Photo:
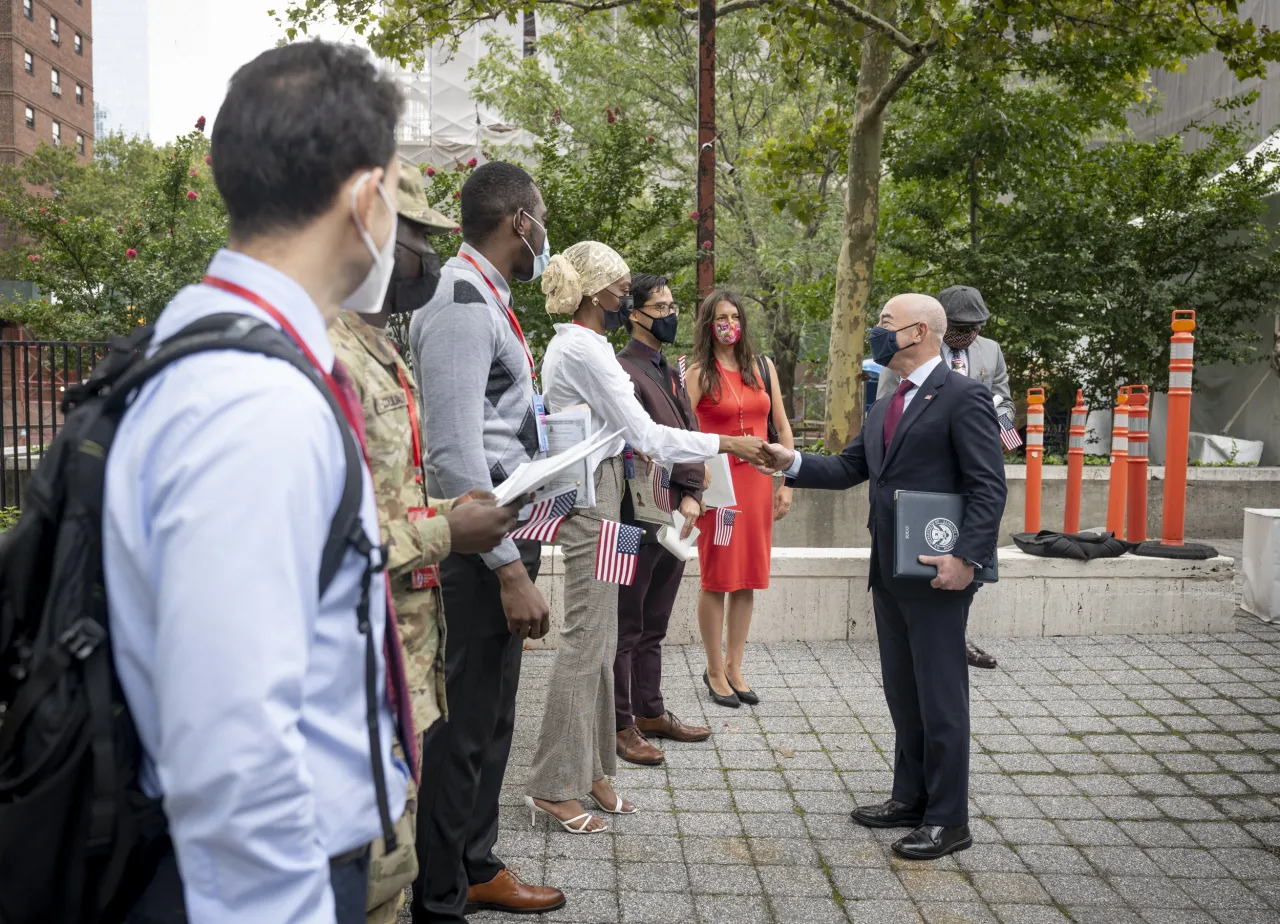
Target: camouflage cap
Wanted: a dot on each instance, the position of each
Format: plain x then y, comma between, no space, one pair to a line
411,200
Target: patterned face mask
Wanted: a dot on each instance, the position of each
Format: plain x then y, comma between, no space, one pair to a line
728,332
961,338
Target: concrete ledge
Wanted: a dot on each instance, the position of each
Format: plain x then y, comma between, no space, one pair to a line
821,594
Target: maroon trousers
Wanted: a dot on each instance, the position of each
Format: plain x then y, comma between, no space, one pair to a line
644,609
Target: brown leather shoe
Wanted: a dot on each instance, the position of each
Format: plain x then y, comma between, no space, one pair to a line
504,892
977,657
633,748
668,726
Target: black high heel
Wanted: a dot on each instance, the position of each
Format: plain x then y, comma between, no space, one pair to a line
731,700
746,696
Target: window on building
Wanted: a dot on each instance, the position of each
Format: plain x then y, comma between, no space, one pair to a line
53,29
79,44
80,94
27,11
28,62
57,134
31,117
55,80
80,144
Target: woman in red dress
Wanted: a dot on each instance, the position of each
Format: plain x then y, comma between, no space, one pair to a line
727,389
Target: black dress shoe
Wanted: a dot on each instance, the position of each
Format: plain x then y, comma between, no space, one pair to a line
929,842
890,814
731,700
747,696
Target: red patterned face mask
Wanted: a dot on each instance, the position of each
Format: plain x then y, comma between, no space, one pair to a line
728,332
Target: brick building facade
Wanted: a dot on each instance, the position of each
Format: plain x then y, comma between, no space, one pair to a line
46,76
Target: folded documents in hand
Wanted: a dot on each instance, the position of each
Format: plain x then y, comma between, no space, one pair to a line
929,524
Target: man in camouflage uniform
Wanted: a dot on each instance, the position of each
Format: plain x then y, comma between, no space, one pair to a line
417,531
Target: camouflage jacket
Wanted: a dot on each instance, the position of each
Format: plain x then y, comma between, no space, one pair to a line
375,366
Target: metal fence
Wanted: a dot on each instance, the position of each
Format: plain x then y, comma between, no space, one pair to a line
34,376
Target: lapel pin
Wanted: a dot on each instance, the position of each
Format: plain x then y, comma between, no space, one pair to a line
928,397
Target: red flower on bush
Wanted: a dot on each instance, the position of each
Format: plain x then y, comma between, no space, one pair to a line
456,231
555,115
694,216
457,195
34,258
193,172
706,245
471,163
649,140
431,171
192,195
131,254
208,161
610,115
200,124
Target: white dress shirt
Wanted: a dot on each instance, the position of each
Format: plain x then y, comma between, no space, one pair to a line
917,378
580,367
247,691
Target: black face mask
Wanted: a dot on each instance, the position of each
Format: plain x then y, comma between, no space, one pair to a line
407,295
664,329
613,320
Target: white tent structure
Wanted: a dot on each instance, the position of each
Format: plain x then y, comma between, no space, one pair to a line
442,121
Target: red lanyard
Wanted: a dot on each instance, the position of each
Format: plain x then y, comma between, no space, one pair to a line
413,420
511,315
255,299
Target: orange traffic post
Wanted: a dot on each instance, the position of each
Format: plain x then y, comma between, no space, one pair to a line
1035,456
1138,437
1075,464
1178,429
1119,464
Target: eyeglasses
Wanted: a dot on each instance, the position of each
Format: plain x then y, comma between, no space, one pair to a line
662,309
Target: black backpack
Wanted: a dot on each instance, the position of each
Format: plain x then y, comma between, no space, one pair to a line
79,840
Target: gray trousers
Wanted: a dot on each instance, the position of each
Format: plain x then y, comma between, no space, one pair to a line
577,745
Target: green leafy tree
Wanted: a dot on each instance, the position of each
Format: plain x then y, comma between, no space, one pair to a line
110,242
1090,46
598,186
1082,250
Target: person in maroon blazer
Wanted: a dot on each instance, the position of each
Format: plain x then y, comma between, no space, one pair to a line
644,607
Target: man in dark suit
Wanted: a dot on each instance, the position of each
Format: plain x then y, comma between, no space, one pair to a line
644,606
937,432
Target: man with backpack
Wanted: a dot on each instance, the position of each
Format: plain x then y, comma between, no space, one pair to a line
245,605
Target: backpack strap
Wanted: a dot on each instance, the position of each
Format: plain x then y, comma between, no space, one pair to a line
248,334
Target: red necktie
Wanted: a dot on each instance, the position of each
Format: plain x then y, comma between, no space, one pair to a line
398,695
894,414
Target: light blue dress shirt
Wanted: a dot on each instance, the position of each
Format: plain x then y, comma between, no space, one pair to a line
248,693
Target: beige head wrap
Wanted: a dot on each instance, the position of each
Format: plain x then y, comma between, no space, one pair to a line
583,269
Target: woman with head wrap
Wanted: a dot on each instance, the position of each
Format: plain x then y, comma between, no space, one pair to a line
576,751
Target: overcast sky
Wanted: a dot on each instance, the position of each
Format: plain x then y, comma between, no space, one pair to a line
194,46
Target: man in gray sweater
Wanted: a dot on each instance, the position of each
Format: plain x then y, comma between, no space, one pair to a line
476,376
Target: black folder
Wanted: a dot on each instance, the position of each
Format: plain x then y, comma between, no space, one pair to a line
929,524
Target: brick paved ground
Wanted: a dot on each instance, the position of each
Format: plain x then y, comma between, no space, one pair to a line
1116,779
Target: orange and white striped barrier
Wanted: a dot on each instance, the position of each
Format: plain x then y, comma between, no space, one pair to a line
1119,464
1136,503
1178,430
1035,457
1075,464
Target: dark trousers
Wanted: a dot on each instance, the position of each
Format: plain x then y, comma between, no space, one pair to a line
464,759
162,902
644,610
926,683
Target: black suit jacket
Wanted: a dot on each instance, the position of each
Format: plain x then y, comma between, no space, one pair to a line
947,441
668,404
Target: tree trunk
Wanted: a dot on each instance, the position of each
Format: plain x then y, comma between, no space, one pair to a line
786,350
858,245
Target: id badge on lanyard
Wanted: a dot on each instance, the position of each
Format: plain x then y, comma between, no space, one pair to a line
540,417
423,578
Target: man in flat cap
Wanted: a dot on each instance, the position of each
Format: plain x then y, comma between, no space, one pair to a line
967,353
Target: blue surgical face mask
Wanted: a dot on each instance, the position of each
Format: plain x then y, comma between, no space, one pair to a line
540,260
884,343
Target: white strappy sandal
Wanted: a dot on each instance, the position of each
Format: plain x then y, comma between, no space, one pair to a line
579,824
617,808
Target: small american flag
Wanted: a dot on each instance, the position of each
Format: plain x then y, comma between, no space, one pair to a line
1008,436
546,516
680,367
661,488
724,524
617,551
